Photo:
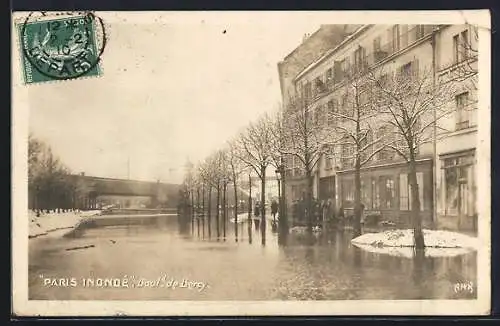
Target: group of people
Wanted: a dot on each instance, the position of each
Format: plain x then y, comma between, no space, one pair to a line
274,209
323,212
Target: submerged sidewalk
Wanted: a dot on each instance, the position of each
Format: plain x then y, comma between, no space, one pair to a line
47,224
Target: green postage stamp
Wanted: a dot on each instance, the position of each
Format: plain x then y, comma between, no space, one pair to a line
60,48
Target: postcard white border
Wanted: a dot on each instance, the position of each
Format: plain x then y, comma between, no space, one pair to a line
20,108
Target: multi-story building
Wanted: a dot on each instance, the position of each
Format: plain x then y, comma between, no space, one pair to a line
445,172
312,48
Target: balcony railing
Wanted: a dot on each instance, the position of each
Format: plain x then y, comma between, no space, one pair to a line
379,54
397,44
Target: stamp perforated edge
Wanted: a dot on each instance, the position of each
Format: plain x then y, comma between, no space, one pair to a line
17,22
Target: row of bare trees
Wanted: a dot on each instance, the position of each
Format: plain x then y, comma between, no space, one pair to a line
374,112
49,186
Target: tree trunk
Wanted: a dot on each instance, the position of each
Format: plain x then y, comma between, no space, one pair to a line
197,201
209,212
217,213
263,203
224,210
192,210
203,210
357,197
235,209
415,208
309,206
250,210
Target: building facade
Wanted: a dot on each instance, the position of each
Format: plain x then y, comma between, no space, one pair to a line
445,165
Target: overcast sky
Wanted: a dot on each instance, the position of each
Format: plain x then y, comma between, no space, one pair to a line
175,87
170,90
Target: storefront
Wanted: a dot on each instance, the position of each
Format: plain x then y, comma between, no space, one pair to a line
457,209
385,191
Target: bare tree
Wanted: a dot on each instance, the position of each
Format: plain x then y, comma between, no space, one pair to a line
49,183
352,118
255,151
411,101
236,167
208,175
190,185
224,174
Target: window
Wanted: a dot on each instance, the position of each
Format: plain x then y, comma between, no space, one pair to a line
465,45
389,191
379,53
344,67
375,194
394,38
404,36
348,193
461,46
366,196
386,153
456,49
337,71
329,158
297,171
332,111
295,193
403,192
462,115
347,155
419,31
329,76
319,86
459,185
344,108
359,59
307,91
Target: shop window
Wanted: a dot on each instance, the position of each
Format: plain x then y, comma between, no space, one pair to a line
403,192
405,202
375,194
348,193
459,186
389,193
366,193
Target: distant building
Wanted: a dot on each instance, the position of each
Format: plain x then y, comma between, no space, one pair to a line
95,192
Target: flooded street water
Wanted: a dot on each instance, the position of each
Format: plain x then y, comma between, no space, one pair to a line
160,251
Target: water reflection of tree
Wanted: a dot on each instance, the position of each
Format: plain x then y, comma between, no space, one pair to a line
419,274
183,221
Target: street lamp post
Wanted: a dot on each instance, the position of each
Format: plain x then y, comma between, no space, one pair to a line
278,178
283,221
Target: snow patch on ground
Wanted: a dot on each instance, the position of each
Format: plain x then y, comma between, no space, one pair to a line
49,223
438,243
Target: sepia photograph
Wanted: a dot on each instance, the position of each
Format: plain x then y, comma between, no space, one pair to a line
251,163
